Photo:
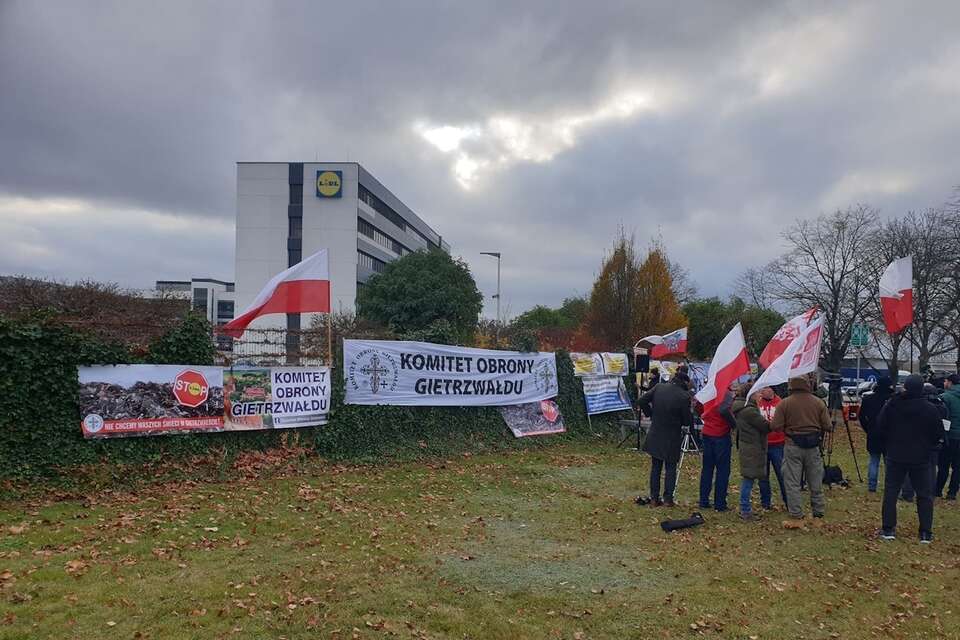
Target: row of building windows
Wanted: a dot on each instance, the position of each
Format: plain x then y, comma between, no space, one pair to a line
374,264
380,237
383,209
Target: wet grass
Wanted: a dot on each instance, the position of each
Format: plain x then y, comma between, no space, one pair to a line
535,544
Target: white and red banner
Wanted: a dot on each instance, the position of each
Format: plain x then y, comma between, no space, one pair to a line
671,344
896,295
303,288
800,358
729,363
784,336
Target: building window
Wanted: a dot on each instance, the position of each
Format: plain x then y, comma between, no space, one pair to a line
200,300
224,311
374,264
296,228
382,239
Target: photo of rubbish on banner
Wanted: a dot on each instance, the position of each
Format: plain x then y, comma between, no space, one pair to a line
599,364
533,418
276,397
135,400
605,393
404,373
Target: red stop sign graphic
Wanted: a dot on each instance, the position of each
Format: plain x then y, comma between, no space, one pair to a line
190,388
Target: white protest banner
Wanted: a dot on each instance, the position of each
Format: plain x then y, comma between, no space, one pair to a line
599,364
396,372
605,393
276,397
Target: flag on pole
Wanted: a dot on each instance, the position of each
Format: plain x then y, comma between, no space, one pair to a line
671,344
729,363
784,336
896,295
800,358
303,288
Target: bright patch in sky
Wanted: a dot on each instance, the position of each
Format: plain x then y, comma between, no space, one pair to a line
503,140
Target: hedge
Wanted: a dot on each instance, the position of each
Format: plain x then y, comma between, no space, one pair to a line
39,418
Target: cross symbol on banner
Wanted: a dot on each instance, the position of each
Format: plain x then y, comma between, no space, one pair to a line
374,370
546,377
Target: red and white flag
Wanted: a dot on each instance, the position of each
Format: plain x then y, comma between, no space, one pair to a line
671,344
784,336
896,295
303,288
800,358
729,363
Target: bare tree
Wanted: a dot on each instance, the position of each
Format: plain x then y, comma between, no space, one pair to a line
684,289
825,267
756,287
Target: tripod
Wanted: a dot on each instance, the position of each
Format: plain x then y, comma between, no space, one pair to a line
835,405
687,445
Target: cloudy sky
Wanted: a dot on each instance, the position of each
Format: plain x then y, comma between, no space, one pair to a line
532,128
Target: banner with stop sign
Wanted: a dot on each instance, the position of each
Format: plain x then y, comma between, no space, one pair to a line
130,400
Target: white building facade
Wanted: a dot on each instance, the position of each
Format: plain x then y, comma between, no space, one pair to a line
287,211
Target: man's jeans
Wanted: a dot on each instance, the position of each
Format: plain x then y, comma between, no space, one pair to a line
774,460
746,488
949,460
716,461
873,471
921,478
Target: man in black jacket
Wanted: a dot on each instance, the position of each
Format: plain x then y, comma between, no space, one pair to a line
911,428
670,412
869,412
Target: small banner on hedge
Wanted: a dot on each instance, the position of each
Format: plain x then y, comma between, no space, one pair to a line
533,418
276,397
139,400
605,393
599,364
394,372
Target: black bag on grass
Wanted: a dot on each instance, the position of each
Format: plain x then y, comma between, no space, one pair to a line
694,520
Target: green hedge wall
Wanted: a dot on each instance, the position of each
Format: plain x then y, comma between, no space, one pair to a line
39,419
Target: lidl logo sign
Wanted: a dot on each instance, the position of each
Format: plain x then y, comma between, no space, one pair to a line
329,184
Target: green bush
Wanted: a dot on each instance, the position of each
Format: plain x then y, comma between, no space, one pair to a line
40,431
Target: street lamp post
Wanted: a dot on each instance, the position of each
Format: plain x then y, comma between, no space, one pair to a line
496,254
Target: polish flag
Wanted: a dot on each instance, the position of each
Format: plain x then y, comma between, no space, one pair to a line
784,336
896,295
672,344
800,358
729,363
303,288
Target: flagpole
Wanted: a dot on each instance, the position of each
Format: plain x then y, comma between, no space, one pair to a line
330,340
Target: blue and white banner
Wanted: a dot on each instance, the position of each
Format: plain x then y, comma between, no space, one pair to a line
605,393
396,372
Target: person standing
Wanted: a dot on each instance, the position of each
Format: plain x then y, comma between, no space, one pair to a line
803,417
715,470
669,407
767,404
950,455
911,427
752,432
869,412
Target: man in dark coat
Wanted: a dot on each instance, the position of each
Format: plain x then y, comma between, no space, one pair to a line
911,427
752,431
669,407
869,411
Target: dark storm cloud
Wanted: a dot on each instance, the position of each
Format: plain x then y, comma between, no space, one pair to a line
712,125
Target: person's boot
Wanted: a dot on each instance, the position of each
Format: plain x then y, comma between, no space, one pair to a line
668,501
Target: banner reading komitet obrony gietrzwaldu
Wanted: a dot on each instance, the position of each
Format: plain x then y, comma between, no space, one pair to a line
395,372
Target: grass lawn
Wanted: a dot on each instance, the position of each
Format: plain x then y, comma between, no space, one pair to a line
535,544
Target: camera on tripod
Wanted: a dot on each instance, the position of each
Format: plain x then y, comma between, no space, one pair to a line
834,382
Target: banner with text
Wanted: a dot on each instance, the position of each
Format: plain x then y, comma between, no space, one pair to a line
605,393
599,364
395,372
276,397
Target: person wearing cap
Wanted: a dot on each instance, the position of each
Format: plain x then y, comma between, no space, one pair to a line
803,417
911,427
869,411
950,454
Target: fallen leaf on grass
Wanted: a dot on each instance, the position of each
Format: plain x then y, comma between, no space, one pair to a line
16,530
76,567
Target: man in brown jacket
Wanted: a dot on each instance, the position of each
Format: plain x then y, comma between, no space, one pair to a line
803,417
